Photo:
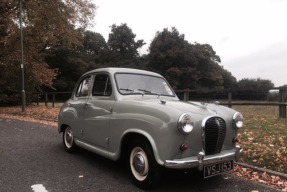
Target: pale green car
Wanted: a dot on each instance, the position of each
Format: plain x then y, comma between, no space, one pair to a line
135,114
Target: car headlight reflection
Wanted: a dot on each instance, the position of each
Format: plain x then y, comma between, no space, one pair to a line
185,124
238,120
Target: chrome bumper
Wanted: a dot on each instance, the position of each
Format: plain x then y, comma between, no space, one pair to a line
201,159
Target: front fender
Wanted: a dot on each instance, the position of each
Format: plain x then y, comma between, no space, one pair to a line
151,141
163,136
67,116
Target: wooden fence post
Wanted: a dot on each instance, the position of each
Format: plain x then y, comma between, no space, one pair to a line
282,100
38,96
229,99
46,99
186,95
53,100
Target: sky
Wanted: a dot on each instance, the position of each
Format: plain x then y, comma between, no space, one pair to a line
250,36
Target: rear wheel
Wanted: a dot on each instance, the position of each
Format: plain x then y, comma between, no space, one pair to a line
144,170
68,140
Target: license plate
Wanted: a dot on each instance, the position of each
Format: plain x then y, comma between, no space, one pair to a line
215,169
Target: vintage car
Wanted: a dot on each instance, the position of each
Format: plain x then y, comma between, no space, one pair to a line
136,115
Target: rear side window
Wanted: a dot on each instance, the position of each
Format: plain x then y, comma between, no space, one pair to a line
83,88
102,85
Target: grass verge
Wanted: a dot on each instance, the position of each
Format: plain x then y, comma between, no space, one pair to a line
264,137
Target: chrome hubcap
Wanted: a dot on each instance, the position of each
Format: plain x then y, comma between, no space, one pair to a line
68,137
139,163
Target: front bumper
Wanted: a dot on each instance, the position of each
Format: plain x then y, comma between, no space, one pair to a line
201,159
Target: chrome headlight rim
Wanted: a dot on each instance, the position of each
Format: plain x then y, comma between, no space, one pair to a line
238,120
185,124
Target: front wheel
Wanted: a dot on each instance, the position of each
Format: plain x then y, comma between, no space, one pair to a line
144,170
68,140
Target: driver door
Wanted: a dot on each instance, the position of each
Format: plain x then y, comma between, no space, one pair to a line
98,111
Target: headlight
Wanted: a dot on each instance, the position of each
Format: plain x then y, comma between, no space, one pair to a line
185,124
238,120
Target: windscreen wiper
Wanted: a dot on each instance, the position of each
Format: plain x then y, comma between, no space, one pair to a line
127,89
149,92
144,90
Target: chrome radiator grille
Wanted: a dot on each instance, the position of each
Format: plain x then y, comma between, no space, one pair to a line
214,132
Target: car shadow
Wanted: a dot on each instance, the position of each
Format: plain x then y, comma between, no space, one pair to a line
177,180
171,180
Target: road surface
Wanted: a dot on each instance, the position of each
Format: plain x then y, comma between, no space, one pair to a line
32,159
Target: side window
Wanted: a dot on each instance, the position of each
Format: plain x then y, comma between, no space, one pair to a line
102,85
83,88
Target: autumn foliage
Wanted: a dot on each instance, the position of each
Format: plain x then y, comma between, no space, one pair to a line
47,25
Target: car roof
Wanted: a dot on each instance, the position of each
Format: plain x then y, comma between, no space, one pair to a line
113,70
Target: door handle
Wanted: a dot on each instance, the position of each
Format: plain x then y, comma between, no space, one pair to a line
86,105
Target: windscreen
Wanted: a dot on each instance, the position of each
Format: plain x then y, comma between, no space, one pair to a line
142,84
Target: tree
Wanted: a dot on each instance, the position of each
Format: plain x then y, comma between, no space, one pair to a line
171,56
95,49
123,46
72,63
186,65
255,84
207,65
254,89
169,49
229,81
47,26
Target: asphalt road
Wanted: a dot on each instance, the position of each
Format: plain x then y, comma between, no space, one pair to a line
32,153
